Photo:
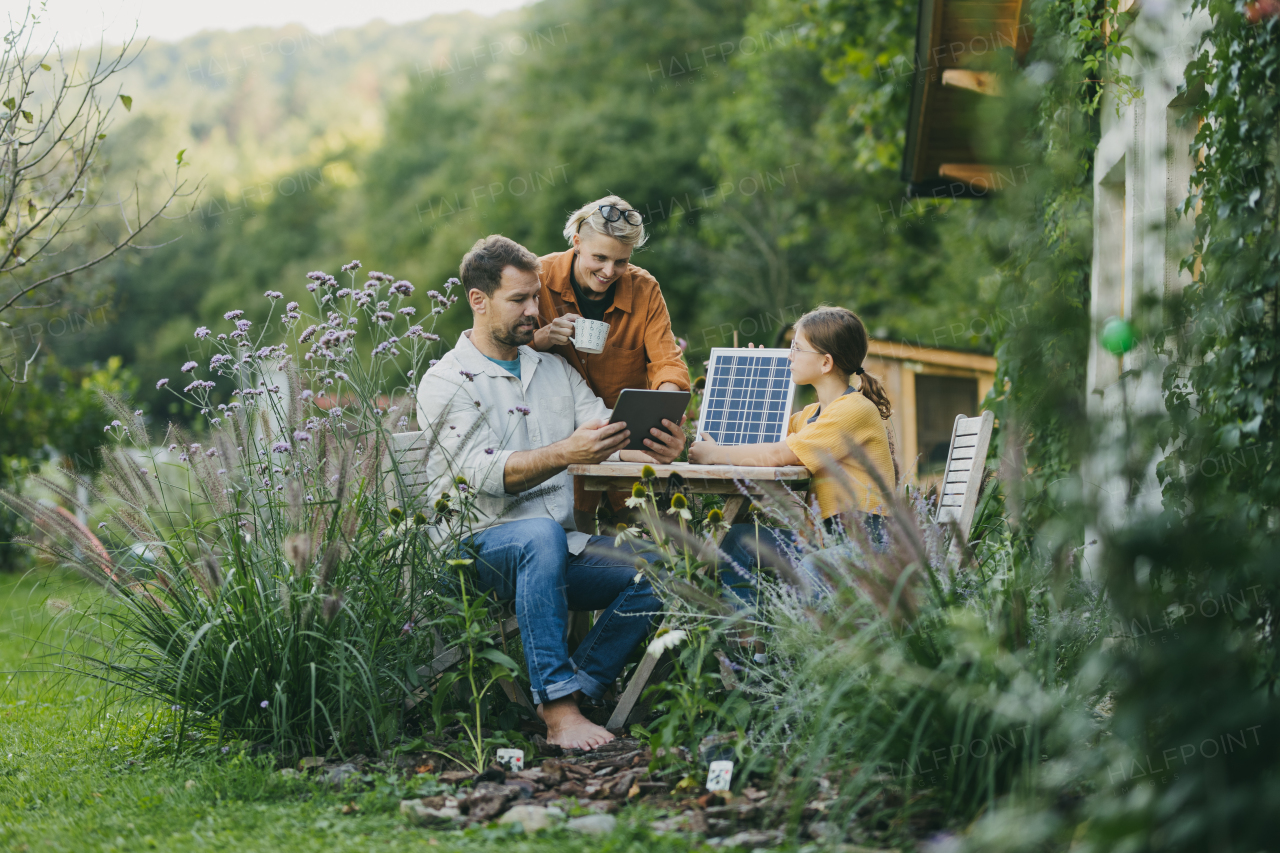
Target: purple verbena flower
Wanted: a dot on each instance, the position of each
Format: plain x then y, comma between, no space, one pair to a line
471,377
292,306
351,267
489,451
264,703
189,367
243,325
233,315
273,295
407,311
317,275
524,410
402,288
202,332
161,383
281,447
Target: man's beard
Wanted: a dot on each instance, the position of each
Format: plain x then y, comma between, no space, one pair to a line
514,336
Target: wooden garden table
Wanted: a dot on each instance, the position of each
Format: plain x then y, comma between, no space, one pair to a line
701,480
728,480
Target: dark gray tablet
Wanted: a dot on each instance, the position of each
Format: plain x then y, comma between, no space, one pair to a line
644,410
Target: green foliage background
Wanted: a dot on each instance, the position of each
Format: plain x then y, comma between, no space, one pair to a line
760,138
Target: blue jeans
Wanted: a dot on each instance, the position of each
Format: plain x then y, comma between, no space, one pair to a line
528,562
749,546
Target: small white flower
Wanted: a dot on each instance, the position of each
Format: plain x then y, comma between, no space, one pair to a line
667,641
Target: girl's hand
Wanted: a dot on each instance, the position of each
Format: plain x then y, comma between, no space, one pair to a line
703,452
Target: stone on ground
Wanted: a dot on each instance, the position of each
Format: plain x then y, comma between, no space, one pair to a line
593,824
532,818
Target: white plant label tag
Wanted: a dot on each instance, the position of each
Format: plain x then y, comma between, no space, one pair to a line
512,759
719,774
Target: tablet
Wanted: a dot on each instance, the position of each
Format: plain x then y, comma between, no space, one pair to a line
644,410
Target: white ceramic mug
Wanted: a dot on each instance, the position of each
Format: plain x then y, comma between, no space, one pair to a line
589,335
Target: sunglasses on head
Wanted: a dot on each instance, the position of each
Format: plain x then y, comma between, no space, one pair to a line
612,213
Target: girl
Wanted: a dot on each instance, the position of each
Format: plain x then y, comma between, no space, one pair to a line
827,353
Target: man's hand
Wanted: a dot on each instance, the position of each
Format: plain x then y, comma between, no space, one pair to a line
594,441
664,447
703,452
590,443
555,333
666,443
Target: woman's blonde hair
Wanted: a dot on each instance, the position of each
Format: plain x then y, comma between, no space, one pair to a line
589,215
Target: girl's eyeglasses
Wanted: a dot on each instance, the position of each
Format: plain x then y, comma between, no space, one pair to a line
612,213
796,349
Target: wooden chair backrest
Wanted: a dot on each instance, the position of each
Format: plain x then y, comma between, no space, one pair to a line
966,461
406,468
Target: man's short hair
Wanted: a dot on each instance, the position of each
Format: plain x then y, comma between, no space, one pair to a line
482,267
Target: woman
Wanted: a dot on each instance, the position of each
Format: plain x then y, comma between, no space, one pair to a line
595,279
827,353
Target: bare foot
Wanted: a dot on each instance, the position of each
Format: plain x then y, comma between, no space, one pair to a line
568,729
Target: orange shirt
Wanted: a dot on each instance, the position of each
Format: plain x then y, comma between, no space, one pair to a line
851,419
640,352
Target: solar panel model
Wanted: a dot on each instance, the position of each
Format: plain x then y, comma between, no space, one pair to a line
748,395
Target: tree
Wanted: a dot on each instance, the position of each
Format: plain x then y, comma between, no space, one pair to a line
56,218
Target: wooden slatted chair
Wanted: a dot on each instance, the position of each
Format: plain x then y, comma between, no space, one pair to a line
406,471
962,480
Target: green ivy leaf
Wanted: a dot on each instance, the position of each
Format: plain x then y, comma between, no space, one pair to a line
30,119
10,103
45,66
180,153
128,103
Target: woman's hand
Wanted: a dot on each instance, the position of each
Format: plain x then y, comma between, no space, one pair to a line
703,452
556,333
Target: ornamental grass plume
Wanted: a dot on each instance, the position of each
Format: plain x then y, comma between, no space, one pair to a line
892,663
268,604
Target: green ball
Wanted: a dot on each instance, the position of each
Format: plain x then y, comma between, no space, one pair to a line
1117,336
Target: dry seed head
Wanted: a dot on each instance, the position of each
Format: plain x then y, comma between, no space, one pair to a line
297,547
332,604
328,563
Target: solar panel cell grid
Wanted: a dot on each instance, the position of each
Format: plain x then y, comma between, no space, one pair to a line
748,396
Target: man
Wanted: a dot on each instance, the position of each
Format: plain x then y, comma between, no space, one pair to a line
509,421
596,280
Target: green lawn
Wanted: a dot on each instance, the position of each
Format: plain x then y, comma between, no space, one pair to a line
78,774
